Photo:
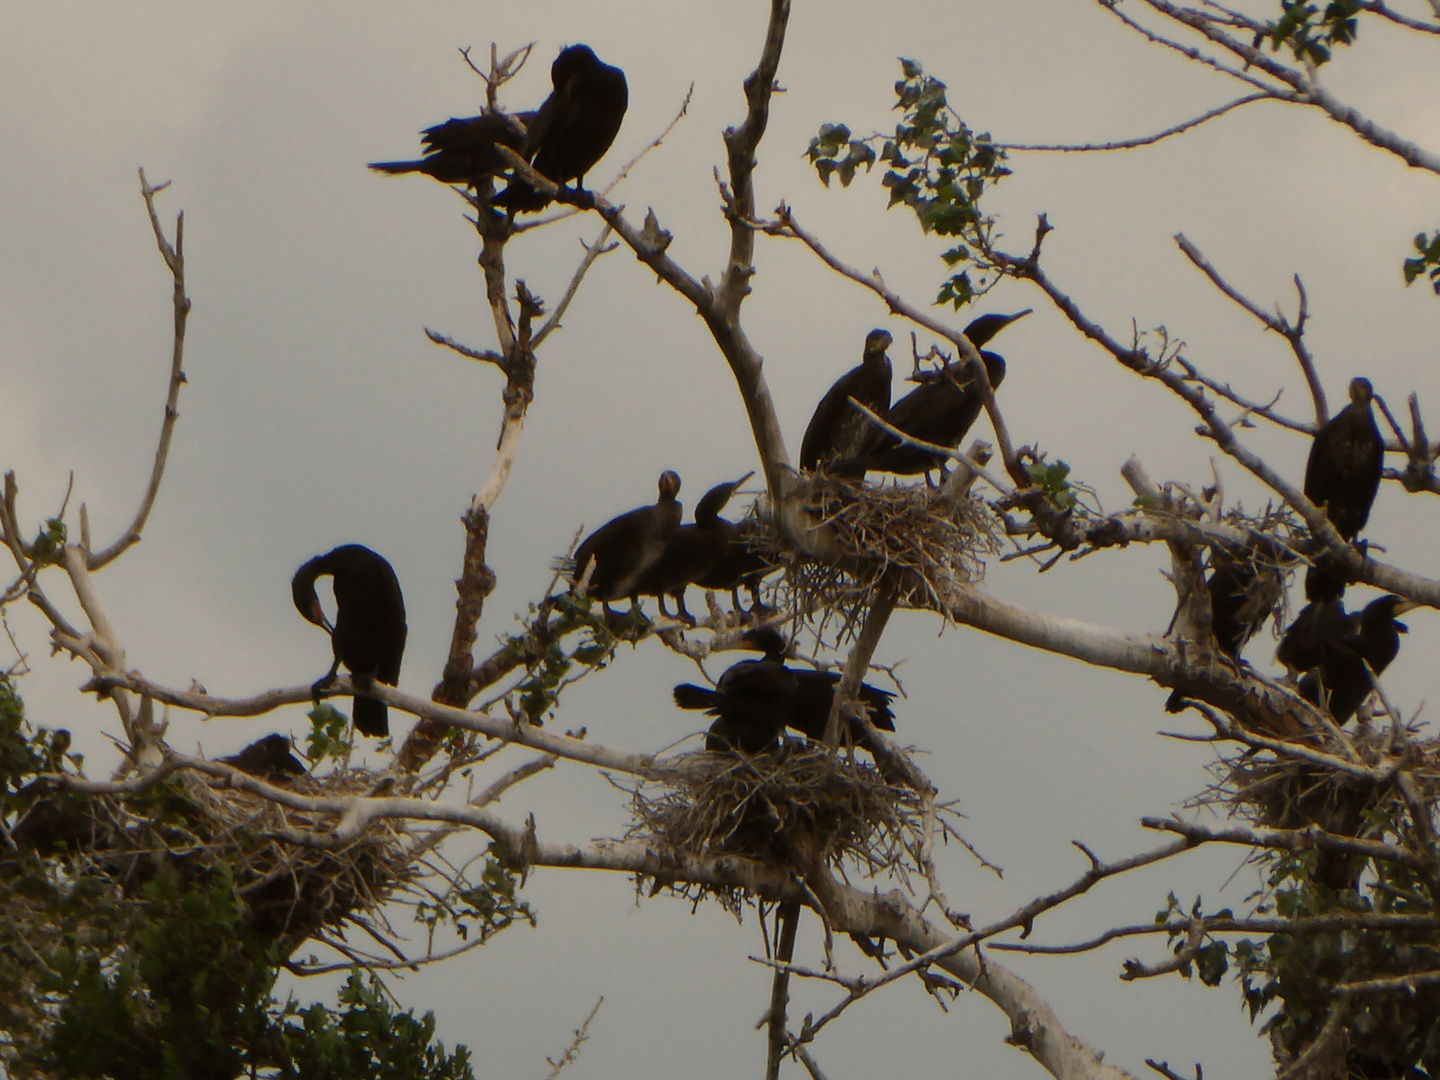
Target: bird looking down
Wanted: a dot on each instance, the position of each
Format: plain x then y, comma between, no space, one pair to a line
574,127
838,429
939,411
1342,476
624,548
694,551
368,636
462,150
561,140
1340,680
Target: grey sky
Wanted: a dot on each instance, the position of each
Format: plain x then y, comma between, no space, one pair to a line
317,414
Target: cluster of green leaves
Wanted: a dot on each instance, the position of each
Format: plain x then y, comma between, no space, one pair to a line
573,616
1052,479
487,907
330,733
45,548
937,167
1212,960
1427,262
1309,32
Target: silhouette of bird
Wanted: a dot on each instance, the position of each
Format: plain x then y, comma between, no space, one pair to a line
624,548
462,150
369,632
693,552
939,411
268,758
756,699
1242,596
838,429
573,128
1342,475
1305,640
1372,637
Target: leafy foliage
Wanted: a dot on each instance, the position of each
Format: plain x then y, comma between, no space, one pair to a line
936,166
330,733
1309,33
487,908
1427,262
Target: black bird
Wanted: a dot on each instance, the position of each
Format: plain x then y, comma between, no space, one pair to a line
838,429
1242,596
268,758
369,632
573,128
624,548
742,565
462,151
693,552
756,699
1342,476
1307,639
1372,637
939,411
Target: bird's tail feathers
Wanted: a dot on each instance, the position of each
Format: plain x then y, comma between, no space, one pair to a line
371,717
395,168
690,696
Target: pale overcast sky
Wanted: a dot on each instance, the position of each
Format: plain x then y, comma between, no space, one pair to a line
317,414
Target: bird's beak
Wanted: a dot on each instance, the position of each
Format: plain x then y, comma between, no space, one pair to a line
317,616
736,484
1407,605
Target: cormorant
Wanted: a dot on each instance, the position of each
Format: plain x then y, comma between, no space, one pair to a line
573,128
742,564
693,552
268,758
939,411
369,632
838,429
1305,641
1372,637
1242,596
624,548
1342,476
462,150
755,699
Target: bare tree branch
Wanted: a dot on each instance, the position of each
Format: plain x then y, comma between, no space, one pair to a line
1144,140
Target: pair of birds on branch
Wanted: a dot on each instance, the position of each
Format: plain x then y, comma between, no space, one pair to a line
846,443
561,140
754,701
647,552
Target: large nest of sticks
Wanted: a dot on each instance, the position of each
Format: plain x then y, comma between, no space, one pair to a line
919,537
795,808
195,826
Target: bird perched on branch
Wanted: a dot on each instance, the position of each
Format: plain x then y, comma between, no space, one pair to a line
368,636
269,758
462,150
838,429
1306,639
1342,476
939,411
755,700
625,548
1340,681
693,552
1242,596
561,140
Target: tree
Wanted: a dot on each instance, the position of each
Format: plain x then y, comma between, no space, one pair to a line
1048,501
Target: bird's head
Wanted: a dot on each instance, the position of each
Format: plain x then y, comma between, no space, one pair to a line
714,500
987,326
1387,609
766,639
669,485
1361,392
571,62
877,341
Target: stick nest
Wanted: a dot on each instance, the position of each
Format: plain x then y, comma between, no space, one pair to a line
795,808
915,535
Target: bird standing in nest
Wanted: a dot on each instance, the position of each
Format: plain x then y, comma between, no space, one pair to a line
1242,597
368,635
562,140
838,429
1340,681
940,411
616,556
1342,476
269,758
693,552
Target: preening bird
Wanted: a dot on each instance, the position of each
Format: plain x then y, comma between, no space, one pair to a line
693,552
939,411
462,150
573,128
624,548
1342,476
1344,646
1242,596
755,700
838,429
562,139
268,758
369,632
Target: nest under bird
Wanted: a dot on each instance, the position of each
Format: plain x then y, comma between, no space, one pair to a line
916,536
796,808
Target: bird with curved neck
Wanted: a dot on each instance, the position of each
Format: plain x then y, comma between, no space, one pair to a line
838,429
368,635
612,560
693,552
